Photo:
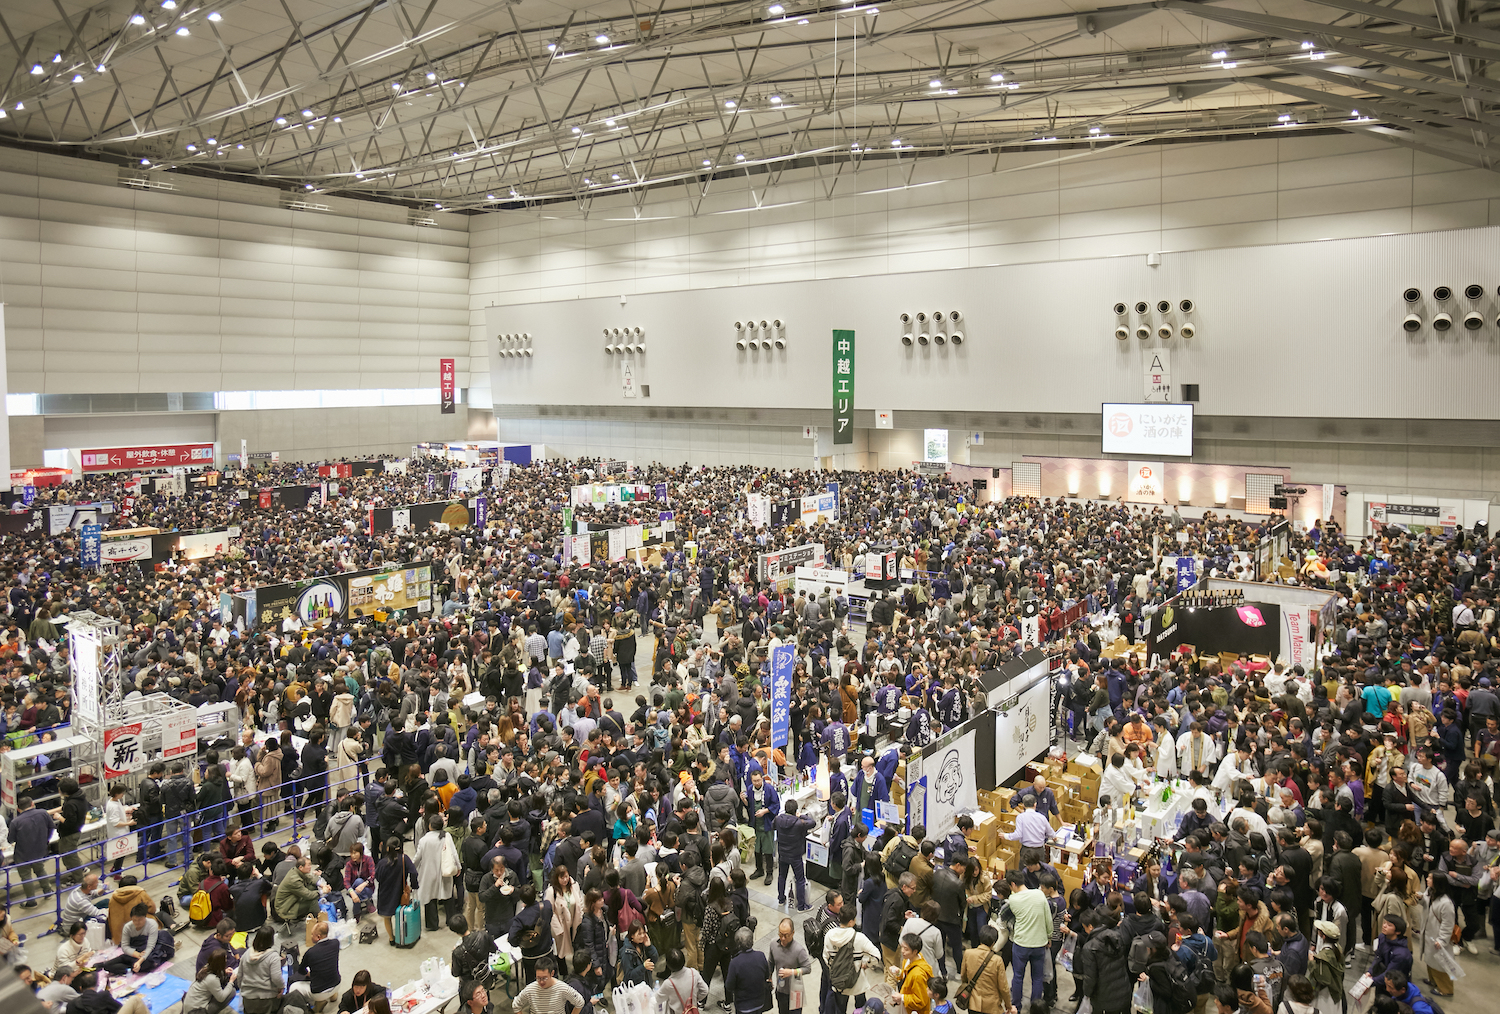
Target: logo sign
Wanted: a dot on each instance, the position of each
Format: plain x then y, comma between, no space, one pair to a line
89,545
446,381
783,659
1250,616
120,459
28,495
320,602
1158,376
123,750
1145,482
1121,425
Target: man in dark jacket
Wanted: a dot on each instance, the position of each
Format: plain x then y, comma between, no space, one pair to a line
948,892
1392,951
893,916
1101,967
177,801
853,859
1345,868
151,813
791,848
31,832
70,820
749,975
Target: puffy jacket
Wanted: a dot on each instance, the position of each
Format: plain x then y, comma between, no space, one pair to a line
1390,954
593,940
721,806
1102,972
791,835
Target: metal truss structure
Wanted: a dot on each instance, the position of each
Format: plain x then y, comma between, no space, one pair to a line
470,105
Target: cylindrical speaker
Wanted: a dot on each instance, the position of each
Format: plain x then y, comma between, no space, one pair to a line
765,343
740,344
921,318
954,316
765,325
1473,320
1142,307
1143,332
923,339
526,352
1164,331
1412,294
1186,306
1121,309
781,341
939,317
606,332
1122,332
1162,306
906,318
1188,330
638,332
957,337
1442,293
609,350
777,325
1411,322
906,339
1474,291
739,325
640,348
940,338
1442,322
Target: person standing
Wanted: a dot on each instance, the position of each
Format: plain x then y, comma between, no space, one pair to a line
681,987
70,818
982,972
791,849
789,963
546,995
761,805
852,953
749,976
1030,939
31,833
436,892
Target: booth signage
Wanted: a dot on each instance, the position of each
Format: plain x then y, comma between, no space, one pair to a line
123,750
89,551
179,734
783,659
1146,482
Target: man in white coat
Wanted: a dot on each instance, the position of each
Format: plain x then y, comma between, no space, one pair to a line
1166,749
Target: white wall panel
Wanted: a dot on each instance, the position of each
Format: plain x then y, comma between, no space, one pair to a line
119,290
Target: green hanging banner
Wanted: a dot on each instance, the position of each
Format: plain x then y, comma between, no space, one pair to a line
843,387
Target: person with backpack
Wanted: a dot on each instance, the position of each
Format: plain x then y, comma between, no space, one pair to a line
894,909
682,989
1326,967
1197,953
1405,991
719,926
1172,988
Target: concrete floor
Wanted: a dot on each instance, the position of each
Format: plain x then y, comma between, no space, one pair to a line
1476,993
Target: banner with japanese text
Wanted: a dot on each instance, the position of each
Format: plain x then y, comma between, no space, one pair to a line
446,378
783,659
843,387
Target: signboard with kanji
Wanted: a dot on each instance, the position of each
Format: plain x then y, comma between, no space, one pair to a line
123,750
179,734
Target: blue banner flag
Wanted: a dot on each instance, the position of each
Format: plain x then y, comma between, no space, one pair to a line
481,511
89,546
783,660
1187,573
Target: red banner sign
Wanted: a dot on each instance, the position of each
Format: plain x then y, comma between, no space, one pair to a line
446,382
335,471
124,459
265,499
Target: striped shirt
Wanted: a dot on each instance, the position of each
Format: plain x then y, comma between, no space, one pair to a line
555,999
536,646
597,647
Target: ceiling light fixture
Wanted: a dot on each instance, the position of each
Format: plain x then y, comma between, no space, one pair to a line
57,58
729,103
338,119
359,176
21,106
1307,45
602,39
776,9
609,123
212,140
551,47
169,5
895,142
935,83
438,206
997,76
707,162
307,112
802,22
138,19
431,76
1219,54
396,85
577,130
491,197
100,68
776,99
145,161
77,78
192,147
307,185
281,121
215,16
1096,129
614,176
739,158
37,68
183,30
240,147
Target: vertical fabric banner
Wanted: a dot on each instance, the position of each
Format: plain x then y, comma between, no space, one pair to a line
783,660
244,455
89,553
843,387
481,511
445,382
1187,572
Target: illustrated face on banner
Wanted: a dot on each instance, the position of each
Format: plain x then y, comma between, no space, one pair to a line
950,778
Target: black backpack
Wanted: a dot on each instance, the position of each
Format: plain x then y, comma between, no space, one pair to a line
899,861
1183,988
843,970
812,933
729,925
690,894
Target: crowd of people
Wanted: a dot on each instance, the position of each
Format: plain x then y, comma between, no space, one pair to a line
605,818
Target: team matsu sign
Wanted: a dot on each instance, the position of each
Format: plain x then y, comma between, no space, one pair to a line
123,750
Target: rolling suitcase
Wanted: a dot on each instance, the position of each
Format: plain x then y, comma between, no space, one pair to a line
408,924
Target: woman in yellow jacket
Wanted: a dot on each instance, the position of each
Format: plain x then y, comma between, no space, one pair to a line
914,972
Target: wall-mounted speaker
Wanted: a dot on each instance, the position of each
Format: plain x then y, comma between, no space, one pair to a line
1164,331
1411,322
1442,293
1143,332
907,339
906,318
954,316
1122,332
1442,322
923,338
1188,330
957,337
1475,291
739,343
1186,306
1412,295
1163,306
1473,320
1121,309
941,338
1142,307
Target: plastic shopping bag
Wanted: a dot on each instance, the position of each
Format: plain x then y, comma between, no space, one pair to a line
1142,1000
1065,956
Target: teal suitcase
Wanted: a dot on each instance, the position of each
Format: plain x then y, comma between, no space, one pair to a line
408,924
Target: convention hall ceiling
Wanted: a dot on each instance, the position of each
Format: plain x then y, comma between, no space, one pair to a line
476,105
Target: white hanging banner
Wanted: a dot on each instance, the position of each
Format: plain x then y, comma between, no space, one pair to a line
951,785
1146,482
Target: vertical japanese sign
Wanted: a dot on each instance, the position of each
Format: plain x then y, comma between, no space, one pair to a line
445,382
179,734
783,658
265,499
843,387
89,546
481,511
1187,572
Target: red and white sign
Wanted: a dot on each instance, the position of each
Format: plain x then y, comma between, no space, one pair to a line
446,381
1146,482
122,847
39,476
1296,637
334,471
121,459
179,734
123,750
